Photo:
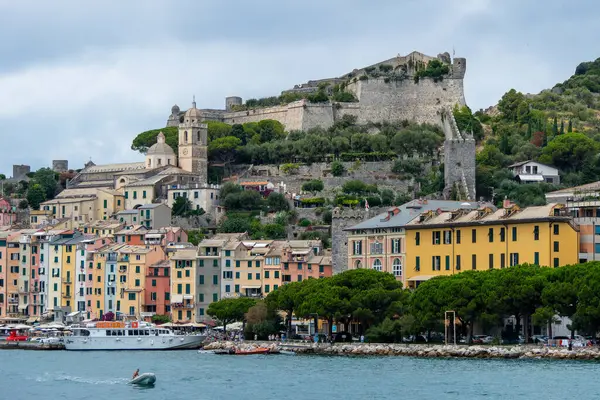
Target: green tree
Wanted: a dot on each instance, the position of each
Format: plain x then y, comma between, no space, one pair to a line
48,180
195,236
224,149
35,196
570,128
509,104
230,310
569,151
337,168
387,197
234,225
277,202
181,206
145,140
314,185
2,177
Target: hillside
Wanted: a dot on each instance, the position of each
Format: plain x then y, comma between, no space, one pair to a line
559,126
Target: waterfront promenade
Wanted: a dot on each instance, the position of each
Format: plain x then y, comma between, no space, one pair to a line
419,350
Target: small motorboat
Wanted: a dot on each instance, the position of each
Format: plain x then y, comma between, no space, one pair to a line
145,379
257,350
287,352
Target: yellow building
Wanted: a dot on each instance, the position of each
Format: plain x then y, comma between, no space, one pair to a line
82,206
95,300
444,243
102,228
248,271
184,270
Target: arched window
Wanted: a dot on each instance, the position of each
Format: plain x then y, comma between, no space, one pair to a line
185,138
377,265
149,165
198,135
358,264
168,161
159,162
397,267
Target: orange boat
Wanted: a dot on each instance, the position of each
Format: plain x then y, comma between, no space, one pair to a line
258,350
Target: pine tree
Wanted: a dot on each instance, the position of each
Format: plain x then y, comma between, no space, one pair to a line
545,140
570,128
529,130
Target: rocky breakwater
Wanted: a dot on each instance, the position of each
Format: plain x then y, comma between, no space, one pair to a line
421,350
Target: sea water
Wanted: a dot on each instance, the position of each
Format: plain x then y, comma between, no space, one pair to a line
190,375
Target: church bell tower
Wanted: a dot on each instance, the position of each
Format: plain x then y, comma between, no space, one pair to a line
193,142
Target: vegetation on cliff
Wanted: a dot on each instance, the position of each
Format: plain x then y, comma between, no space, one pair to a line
386,312
560,127
44,184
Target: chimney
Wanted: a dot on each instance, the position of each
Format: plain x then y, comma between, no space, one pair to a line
506,203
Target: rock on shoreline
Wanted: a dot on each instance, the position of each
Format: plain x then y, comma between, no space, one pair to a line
420,350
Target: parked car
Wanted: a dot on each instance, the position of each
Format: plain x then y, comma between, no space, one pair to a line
478,339
488,340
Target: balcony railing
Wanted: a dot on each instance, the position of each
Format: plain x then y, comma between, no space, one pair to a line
182,305
111,257
124,258
13,301
67,280
66,295
23,289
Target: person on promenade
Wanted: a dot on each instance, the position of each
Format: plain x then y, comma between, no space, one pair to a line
136,374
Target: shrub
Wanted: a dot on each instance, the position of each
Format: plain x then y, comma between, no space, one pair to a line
305,222
315,185
289,168
327,217
337,168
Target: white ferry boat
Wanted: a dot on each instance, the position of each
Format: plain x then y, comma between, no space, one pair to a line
128,336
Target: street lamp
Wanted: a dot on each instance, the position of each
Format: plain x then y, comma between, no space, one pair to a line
316,322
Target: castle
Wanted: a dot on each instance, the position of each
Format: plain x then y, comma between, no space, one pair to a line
385,91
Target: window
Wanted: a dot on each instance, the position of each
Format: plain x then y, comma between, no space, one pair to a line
502,234
216,263
435,263
237,288
458,236
201,279
536,232
502,260
491,261
201,263
474,235
417,263
105,203
458,262
357,245
276,274
153,282
237,275
137,269
215,297
491,234
131,296
237,264
187,288
555,246
215,279
266,274
249,276
376,247
249,264
447,237
137,282
179,288
395,246
556,229
514,234
514,259
299,278
556,262
187,273
179,274
267,288
134,194
257,263
417,238
436,237
228,263
200,297
447,263
397,267
536,258
474,261
144,192
377,265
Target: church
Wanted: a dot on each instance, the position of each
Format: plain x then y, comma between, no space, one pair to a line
98,192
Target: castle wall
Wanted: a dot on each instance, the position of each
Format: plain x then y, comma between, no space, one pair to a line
289,115
393,101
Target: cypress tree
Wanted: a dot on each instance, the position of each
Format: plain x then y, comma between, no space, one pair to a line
562,127
570,128
555,127
545,139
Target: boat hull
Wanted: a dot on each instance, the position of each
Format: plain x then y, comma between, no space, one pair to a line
144,379
80,343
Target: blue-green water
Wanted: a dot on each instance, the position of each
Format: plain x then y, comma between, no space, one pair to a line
189,375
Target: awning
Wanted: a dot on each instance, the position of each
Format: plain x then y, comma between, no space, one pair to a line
420,278
74,313
32,320
188,296
176,298
23,306
153,236
531,178
251,286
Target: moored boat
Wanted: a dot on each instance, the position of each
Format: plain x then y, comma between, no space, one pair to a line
134,335
257,350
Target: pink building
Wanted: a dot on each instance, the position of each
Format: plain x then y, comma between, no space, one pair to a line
7,215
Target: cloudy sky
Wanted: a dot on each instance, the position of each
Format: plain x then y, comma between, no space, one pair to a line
80,81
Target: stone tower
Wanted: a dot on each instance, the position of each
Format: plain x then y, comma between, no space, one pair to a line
193,140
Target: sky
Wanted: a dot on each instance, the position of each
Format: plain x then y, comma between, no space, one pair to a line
79,80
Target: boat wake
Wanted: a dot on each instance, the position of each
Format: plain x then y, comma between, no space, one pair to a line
78,379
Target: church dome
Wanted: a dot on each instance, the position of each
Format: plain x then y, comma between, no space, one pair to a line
175,110
160,147
193,114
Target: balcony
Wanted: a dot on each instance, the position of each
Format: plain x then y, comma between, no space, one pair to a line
35,289
111,257
124,258
182,305
66,295
23,289
67,280
25,240
209,254
13,301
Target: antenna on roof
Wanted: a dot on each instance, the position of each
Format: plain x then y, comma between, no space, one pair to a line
194,101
